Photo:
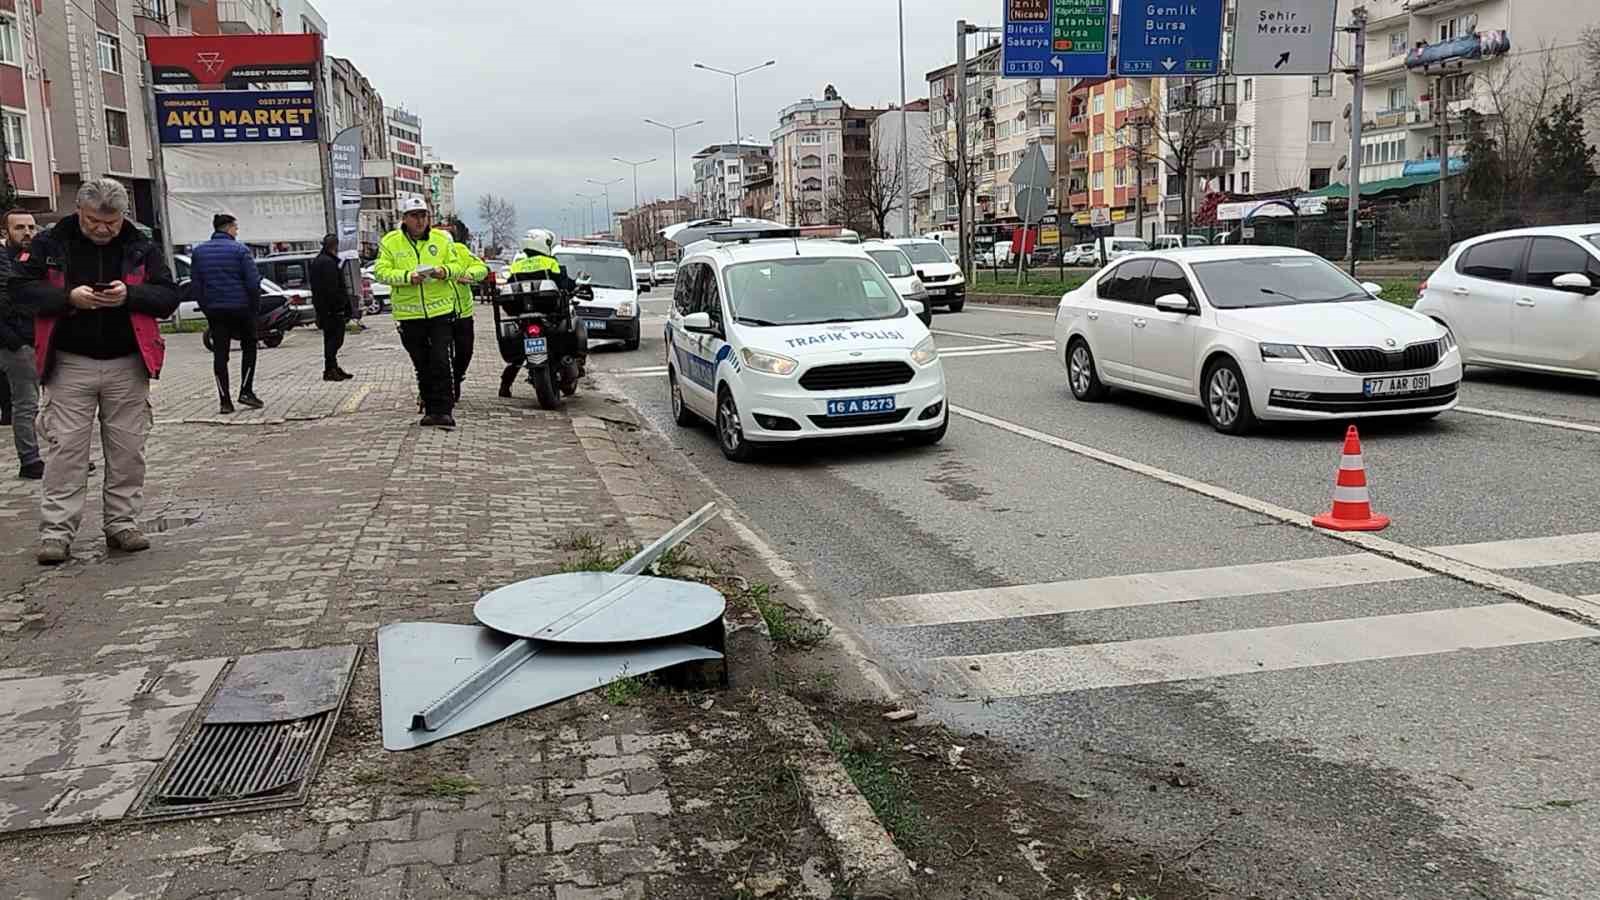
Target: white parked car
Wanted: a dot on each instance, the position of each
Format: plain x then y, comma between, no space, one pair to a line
613,314
664,272
1253,333
1118,247
937,271
1524,299
778,340
897,267
1082,255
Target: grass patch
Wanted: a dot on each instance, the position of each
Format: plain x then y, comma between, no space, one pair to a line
451,786
886,792
590,554
187,326
1399,292
1040,282
787,627
626,689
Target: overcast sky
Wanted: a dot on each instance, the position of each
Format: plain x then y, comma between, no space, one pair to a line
533,117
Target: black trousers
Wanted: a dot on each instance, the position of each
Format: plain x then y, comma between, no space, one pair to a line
430,342
227,327
332,340
463,339
5,398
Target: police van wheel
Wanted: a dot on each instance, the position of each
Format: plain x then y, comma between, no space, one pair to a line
680,413
730,433
544,387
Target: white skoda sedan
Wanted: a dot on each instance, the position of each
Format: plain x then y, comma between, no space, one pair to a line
1253,333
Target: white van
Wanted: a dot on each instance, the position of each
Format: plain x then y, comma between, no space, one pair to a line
1174,241
1118,247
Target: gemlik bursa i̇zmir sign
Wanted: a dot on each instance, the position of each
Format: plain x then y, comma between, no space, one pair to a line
1167,38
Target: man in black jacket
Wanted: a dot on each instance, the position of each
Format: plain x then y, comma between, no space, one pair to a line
332,303
17,363
98,290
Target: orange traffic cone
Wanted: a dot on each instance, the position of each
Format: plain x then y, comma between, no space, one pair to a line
1352,508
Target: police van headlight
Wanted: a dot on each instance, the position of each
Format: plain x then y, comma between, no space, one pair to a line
770,363
926,353
627,310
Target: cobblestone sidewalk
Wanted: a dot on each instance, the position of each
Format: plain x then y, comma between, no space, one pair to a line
315,521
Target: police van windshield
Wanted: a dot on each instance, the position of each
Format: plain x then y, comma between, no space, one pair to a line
810,291
894,263
926,253
614,272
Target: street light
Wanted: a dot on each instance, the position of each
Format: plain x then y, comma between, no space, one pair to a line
635,166
675,129
591,198
905,139
606,187
738,138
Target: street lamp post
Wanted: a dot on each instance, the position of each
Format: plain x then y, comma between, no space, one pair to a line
606,187
635,166
738,135
905,138
675,129
591,198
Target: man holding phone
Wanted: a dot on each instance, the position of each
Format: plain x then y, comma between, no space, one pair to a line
98,289
418,262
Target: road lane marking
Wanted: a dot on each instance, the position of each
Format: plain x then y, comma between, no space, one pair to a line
1549,600
1040,343
1011,311
1143,589
1530,420
1002,350
1252,650
1528,553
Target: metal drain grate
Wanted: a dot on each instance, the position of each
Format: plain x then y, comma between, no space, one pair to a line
235,762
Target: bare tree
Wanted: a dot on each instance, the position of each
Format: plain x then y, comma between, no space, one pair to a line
1517,97
944,155
1186,121
870,196
498,218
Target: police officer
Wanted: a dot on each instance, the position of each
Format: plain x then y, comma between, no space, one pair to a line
418,263
473,271
536,263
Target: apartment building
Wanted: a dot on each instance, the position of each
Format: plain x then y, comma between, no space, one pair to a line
719,171
760,193
1413,117
1291,133
1108,135
405,149
888,137
808,158
1005,117
441,180
641,228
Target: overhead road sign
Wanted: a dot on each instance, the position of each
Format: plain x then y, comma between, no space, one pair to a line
1170,38
1284,37
1056,39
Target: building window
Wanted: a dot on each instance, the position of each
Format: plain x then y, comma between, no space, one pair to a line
1003,130
109,51
1319,179
1097,105
10,45
16,135
1322,85
833,159
810,137
1458,87
1098,145
1249,89
116,128
1244,182
1122,176
1047,120
1397,97
1097,180
1321,132
1397,43
1244,135
1122,97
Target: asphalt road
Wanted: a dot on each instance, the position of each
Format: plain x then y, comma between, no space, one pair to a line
1269,706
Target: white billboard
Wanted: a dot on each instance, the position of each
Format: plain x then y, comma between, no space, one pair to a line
274,190
1284,37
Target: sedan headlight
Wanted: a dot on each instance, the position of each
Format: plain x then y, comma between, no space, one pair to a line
1281,352
1448,342
770,363
926,353
627,310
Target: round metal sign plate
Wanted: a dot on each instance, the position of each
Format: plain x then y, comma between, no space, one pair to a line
599,608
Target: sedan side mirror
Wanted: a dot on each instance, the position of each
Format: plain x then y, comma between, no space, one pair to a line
1174,303
1574,283
1373,288
916,307
698,323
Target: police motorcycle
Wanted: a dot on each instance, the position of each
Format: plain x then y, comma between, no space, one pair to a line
536,326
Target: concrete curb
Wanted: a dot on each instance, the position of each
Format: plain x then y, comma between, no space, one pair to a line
873,866
1027,300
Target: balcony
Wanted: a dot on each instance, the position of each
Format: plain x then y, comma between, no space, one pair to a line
1387,118
1078,125
1079,200
1419,117
1078,159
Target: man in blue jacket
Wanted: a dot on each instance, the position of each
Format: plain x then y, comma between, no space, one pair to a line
227,286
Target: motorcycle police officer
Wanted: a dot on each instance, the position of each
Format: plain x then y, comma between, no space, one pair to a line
535,264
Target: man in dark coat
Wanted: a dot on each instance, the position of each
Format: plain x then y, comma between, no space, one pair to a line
331,299
227,286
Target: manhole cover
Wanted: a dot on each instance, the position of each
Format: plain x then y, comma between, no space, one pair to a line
262,738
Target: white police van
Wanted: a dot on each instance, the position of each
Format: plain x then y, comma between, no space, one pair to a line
775,339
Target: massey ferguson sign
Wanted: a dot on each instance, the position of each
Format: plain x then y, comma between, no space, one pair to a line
234,60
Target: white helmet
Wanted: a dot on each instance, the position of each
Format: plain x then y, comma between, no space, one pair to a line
539,240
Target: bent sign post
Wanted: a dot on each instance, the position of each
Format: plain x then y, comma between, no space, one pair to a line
1284,37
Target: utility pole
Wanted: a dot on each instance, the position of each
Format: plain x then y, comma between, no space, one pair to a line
963,185
1442,103
605,186
635,166
1357,28
1139,126
905,137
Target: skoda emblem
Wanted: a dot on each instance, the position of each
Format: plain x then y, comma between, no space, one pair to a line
1388,342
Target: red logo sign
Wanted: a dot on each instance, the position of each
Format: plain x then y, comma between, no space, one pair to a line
235,60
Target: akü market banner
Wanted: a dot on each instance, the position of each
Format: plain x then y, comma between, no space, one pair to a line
236,117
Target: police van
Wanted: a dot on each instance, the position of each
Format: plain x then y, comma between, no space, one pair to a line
613,313
774,339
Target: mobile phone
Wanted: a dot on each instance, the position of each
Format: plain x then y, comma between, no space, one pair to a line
101,287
